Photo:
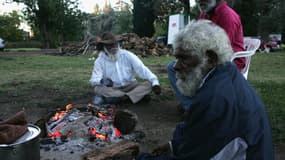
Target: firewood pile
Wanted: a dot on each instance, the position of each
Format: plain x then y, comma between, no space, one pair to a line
76,48
143,46
140,46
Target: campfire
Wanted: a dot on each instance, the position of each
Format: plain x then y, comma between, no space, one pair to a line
86,128
99,123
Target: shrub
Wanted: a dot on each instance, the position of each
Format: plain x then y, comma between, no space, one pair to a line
24,44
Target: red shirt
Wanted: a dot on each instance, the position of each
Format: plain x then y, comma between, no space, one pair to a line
229,20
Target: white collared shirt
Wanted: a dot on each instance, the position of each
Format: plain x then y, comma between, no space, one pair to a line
121,72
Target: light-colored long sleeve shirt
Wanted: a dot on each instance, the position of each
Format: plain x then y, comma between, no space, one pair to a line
121,72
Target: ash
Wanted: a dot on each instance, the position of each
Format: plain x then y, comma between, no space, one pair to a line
79,131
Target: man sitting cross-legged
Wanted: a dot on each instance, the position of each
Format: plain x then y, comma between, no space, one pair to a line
113,75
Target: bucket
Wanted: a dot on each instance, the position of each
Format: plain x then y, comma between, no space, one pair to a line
27,147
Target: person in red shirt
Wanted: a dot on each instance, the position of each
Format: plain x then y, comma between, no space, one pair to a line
222,15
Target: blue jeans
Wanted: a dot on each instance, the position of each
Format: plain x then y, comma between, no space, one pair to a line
184,100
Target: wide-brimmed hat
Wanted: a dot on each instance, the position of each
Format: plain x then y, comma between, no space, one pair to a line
107,38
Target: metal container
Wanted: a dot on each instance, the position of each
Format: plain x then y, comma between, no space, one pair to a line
27,147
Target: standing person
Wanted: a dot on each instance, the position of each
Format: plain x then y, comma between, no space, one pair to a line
221,14
2,44
227,120
113,75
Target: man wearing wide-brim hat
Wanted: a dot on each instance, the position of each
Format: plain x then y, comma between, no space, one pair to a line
113,75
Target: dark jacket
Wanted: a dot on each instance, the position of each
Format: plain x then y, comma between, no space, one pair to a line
226,107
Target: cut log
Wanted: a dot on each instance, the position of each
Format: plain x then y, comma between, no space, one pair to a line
123,150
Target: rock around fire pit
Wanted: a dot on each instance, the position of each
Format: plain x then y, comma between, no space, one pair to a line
83,130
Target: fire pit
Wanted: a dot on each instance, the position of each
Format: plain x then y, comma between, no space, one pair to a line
79,130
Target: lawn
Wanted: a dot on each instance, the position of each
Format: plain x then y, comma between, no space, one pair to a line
46,81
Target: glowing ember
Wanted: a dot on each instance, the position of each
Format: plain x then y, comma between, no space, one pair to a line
68,107
103,116
101,136
69,134
117,133
99,126
56,134
59,114
92,131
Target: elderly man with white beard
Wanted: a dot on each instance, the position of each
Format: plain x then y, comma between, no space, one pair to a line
226,120
224,16
113,75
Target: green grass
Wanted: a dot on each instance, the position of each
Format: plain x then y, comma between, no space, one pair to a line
42,80
50,81
267,76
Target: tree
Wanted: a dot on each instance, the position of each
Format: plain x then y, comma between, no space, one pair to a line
9,27
144,17
249,17
55,21
98,24
164,8
261,17
123,22
96,9
118,22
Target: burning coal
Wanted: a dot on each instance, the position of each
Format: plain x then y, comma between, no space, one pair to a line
94,123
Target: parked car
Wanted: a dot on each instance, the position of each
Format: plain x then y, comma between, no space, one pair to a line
273,43
2,44
270,46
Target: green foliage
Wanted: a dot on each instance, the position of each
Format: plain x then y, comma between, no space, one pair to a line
54,21
161,28
23,44
9,27
123,22
248,16
100,23
143,17
118,22
261,17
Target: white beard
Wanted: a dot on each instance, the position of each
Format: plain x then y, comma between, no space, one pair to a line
189,82
113,57
113,54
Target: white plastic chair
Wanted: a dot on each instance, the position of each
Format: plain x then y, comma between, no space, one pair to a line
250,46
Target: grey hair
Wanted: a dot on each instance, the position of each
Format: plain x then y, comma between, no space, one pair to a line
202,35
